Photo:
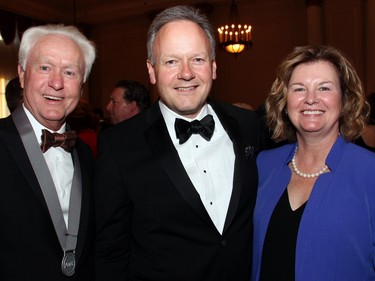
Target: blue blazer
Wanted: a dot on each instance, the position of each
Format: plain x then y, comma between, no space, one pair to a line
336,234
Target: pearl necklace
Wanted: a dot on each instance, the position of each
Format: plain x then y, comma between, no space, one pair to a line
305,175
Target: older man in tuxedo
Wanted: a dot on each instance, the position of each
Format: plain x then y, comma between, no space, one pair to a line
177,204
45,199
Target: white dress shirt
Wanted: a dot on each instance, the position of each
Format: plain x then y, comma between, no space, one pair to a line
209,164
60,165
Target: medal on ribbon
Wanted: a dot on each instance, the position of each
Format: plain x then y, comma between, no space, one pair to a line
68,263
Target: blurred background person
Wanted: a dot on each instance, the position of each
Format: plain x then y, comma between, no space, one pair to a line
101,122
13,94
315,209
367,140
82,120
266,135
127,99
243,105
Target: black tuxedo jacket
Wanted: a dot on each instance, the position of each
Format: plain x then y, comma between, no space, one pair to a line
151,223
29,247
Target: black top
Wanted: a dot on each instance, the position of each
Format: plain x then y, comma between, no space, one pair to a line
279,250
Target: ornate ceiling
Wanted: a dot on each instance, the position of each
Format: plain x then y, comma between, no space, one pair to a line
93,12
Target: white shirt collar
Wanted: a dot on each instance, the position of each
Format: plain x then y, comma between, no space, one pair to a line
37,127
170,117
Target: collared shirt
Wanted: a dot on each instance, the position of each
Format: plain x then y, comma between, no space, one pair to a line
209,164
60,165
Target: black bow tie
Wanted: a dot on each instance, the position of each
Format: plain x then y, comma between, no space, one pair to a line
66,140
204,127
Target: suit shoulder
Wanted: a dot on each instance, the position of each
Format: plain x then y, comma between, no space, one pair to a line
125,133
241,114
231,108
279,152
362,154
7,128
129,124
6,122
272,160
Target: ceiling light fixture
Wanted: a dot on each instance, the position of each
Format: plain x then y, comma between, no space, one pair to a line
235,37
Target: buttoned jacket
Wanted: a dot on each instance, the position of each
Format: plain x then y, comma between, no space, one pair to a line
152,224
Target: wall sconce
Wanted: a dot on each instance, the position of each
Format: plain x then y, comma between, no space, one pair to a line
235,37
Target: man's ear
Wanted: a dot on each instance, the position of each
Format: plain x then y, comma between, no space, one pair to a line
134,107
81,94
151,72
21,76
214,67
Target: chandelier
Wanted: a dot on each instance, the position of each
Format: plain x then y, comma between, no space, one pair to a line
235,38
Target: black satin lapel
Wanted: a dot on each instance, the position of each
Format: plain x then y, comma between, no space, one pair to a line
85,203
19,154
167,156
238,182
232,128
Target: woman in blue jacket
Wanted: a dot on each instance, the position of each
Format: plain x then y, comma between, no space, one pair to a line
314,218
